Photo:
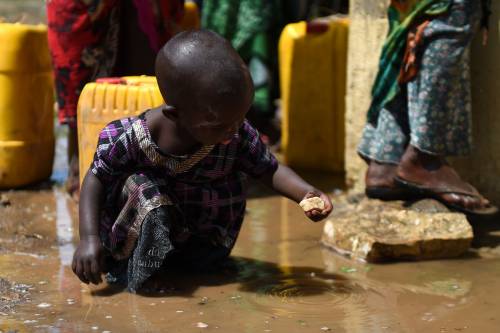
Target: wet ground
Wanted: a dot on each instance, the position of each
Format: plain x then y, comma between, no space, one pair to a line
282,280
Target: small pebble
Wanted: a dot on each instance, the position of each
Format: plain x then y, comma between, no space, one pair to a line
179,311
201,325
109,317
312,203
95,328
44,305
4,200
325,329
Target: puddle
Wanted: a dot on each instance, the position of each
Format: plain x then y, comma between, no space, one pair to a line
281,280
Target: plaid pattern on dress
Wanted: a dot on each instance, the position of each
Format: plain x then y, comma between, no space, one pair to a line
208,188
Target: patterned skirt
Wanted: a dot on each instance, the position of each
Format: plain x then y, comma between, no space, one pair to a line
432,112
145,234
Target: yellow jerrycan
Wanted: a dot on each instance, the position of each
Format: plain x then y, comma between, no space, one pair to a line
26,105
191,19
113,98
313,70
109,99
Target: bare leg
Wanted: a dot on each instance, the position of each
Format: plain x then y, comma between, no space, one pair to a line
73,181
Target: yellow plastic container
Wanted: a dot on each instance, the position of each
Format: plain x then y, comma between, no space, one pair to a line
313,66
191,19
101,103
26,105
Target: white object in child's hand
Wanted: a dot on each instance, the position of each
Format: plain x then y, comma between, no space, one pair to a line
312,203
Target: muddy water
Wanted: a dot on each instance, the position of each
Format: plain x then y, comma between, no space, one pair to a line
280,280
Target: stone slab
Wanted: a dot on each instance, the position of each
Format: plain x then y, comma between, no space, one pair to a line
374,231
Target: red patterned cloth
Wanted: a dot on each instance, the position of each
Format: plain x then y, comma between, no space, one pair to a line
84,41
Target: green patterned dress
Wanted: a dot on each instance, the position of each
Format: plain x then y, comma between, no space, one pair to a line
421,94
253,27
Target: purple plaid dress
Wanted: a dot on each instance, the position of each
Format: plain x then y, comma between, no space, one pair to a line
201,196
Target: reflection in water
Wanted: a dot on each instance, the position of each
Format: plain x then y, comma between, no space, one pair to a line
64,228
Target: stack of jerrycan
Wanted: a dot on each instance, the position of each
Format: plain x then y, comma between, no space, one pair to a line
313,70
109,99
113,98
26,105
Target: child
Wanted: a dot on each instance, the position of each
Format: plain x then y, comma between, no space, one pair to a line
171,183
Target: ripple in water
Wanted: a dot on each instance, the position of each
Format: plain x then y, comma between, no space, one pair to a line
311,297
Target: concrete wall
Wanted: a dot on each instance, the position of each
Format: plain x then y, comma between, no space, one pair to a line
24,11
367,34
482,168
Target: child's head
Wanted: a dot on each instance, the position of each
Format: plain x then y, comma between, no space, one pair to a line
206,82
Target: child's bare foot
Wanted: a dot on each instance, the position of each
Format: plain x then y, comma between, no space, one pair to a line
431,176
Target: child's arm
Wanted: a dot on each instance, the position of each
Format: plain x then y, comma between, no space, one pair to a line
286,182
88,257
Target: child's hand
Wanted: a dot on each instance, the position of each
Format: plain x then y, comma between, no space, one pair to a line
88,260
317,214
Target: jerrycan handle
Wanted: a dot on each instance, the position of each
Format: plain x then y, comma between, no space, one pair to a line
111,80
316,27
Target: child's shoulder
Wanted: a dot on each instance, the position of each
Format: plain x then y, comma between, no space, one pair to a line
120,126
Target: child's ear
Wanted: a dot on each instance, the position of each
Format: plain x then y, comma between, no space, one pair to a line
170,112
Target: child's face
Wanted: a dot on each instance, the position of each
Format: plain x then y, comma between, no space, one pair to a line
216,124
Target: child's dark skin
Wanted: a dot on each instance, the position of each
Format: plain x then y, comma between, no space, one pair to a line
182,130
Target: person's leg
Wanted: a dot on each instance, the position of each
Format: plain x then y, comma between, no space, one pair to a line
382,145
135,55
80,52
73,181
440,108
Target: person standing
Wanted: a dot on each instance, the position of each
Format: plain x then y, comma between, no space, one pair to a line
91,39
421,104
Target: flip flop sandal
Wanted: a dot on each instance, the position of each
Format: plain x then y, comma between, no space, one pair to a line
436,194
386,193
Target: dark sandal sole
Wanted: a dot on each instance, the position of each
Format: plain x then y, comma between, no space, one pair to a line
389,193
429,193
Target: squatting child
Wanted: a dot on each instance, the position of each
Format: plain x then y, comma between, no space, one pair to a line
171,183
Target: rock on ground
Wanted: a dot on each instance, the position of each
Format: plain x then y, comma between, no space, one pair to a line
375,231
